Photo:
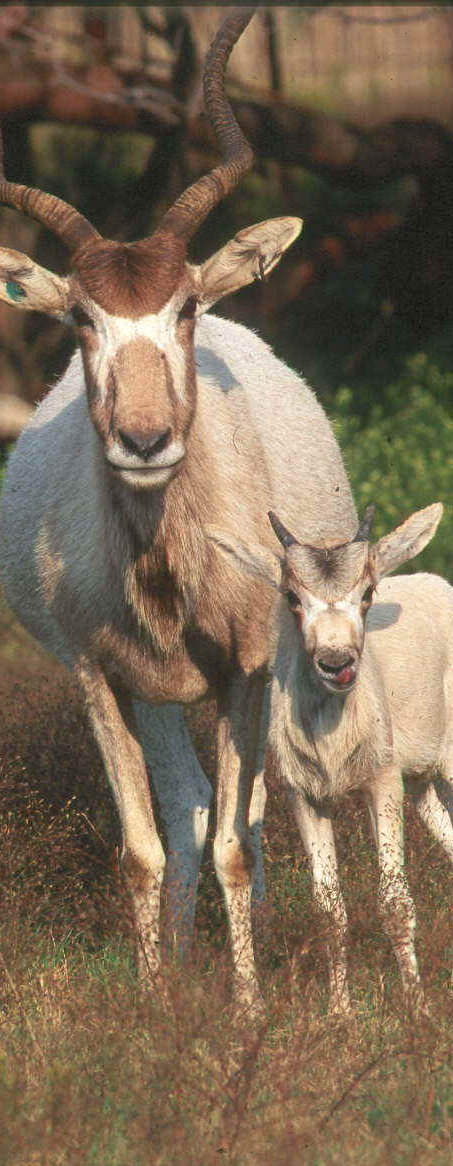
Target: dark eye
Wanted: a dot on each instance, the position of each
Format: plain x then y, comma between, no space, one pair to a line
367,596
82,319
188,309
293,599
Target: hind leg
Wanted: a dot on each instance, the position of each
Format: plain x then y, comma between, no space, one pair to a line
257,807
384,796
433,801
184,795
239,707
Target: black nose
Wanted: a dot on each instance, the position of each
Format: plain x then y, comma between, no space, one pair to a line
334,667
333,662
144,443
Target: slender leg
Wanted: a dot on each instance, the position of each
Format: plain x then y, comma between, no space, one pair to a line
315,828
256,817
184,795
385,802
430,804
142,857
239,713
258,805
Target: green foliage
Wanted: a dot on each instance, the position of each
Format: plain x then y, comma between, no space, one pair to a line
3,463
344,325
88,169
401,457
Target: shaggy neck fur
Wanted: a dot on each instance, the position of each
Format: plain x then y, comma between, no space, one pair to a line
327,743
164,550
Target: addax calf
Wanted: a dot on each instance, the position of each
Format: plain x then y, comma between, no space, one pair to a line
362,690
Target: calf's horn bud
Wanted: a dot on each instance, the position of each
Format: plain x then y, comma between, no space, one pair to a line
284,536
364,531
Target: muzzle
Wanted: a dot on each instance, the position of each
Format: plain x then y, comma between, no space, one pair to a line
337,670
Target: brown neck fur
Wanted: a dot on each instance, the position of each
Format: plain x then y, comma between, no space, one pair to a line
167,550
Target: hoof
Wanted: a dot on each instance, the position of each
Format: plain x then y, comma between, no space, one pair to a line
264,918
148,966
340,1007
418,1006
249,1007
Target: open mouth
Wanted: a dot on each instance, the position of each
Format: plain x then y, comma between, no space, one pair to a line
339,677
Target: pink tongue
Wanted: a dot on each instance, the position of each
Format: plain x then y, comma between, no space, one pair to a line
345,676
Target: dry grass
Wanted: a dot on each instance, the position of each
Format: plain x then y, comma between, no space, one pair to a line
94,1073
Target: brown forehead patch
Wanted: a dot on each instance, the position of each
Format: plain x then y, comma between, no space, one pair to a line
131,279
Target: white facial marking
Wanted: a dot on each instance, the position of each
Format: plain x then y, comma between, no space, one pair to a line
165,461
352,610
116,331
316,606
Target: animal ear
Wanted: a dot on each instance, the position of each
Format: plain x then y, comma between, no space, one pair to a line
26,285
252,254
407,540
255,561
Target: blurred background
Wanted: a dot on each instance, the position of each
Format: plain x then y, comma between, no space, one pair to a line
350,112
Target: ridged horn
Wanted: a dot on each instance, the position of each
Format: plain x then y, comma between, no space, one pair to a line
364,531
192,207
284,536
61,218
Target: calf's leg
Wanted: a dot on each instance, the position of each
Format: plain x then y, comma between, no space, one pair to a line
433,801
315,828
385,803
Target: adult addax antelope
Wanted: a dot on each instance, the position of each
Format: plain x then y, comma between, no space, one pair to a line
160,427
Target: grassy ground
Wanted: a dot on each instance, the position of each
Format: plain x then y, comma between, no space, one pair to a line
93,1073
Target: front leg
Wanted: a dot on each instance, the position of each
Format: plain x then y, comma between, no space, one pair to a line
239,718
142,857
385,803
315,828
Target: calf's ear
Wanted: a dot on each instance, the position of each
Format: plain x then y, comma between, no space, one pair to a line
407,540
255,561
252,254
24,284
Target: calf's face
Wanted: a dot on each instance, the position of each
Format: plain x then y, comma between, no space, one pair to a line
330,619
